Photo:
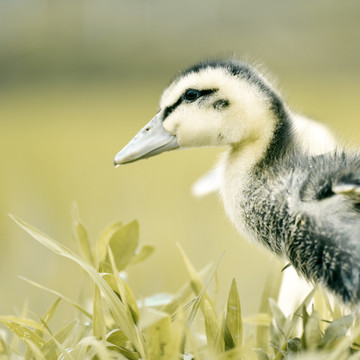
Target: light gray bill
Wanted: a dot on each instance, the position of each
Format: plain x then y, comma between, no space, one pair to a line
151,140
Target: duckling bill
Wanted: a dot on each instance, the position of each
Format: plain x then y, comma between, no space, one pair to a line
301,204
151,140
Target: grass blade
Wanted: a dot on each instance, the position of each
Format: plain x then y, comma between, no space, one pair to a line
312,332
143,254
233,314
77,306
123,242
102,244
24,322
335,331
50,348
181,296
271,290
211,324
202,293
156,326
38,355
98,325
123,289
81,237
23,332
118,310
199,289
116,337
50,312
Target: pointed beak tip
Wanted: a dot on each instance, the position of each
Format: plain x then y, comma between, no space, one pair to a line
151,140
118,160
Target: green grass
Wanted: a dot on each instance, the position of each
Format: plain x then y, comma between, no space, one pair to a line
186,325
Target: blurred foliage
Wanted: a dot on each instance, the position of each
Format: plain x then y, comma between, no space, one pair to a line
52,39
79,78
167,326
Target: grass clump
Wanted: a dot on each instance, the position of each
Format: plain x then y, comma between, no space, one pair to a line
186,325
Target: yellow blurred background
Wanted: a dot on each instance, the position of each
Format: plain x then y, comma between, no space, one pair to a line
79,78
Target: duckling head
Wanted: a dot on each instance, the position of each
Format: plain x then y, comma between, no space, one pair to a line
216,103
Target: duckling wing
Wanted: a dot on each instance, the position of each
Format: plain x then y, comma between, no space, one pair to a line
348,184
331,176
207,184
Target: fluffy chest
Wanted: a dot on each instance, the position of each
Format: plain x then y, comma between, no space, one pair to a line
261,206
232,194
235,168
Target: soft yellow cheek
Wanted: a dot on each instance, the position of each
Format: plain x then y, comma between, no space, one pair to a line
202,131
172,123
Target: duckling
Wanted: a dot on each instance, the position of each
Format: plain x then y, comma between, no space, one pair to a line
315,138
302,206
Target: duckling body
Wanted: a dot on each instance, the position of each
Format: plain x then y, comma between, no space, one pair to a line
301,206
298,216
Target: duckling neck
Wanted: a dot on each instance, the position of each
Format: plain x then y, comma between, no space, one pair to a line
283,138
250,160
257,153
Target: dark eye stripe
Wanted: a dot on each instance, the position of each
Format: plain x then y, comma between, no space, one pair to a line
169,109
207,92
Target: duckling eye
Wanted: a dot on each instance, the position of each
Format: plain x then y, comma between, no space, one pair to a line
191,95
